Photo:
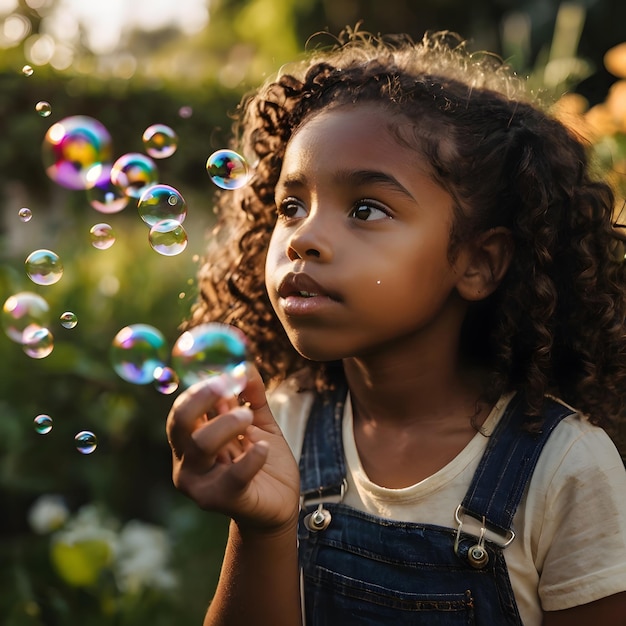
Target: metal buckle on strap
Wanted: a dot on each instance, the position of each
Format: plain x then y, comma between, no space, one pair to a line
323,495
461,511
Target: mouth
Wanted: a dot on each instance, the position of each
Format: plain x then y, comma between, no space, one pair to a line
301,285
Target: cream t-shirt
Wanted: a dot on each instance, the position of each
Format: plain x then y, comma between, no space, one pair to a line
570,544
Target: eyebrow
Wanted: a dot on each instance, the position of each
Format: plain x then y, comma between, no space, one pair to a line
355,177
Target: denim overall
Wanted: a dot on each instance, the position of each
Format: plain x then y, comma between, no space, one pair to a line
359,569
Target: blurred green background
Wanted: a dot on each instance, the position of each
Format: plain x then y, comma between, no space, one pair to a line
105,538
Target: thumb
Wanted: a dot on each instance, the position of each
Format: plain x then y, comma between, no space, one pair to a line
254,395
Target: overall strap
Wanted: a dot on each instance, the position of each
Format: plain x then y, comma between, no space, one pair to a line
322,464
508,463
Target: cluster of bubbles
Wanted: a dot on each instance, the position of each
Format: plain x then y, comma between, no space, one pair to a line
77,154
140,355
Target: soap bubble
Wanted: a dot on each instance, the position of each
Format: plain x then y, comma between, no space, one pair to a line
37,342
227,169
165,380
168,237
86,442
102,236
185,112
43,424
24,311
75,150
68,319
137,351
106,197
209,350
161,202
44,267
133,173
25,214
160,141
43,108
27,70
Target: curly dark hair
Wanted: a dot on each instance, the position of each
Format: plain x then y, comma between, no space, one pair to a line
556,323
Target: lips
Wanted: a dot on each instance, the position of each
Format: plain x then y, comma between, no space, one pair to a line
303,286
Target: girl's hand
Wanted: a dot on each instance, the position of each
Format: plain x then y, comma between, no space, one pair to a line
233,459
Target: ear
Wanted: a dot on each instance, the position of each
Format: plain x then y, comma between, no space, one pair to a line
488,259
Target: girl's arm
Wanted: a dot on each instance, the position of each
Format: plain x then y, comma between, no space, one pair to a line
609,611
234,460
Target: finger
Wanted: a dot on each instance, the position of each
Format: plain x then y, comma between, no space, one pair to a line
246,466
190,408
254,396
221,431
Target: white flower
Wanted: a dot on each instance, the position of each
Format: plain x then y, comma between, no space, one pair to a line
143,551
47,513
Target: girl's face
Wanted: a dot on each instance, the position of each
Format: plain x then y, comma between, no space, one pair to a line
358,261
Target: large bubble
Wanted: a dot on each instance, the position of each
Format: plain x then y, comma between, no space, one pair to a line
136,353
209,350
44,267
161,202
133,173
168,237
75,150
227,169
24,311
160,141
37,343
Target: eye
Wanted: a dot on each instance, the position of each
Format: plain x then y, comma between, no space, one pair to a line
290,208
369,211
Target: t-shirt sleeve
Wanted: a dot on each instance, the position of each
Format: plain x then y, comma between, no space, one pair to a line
581,540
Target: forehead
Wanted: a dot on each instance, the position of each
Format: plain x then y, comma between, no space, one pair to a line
367,133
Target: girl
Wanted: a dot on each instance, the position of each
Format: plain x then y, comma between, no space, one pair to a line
430,279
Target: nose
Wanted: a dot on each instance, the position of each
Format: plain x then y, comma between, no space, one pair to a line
310,240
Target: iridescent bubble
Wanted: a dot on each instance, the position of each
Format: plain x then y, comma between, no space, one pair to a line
102,236
75,151
161,202
227,169
25,214
210,350
22,312
43,108
168,237
27,70
137,351
68,319
185,112
44,267
104,196
133,173
160,141
37,343
86,442
165,380
43,424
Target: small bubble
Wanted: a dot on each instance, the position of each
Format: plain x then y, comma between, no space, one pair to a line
102,236
185,112
44,267
168,238
86,442
227,169
25,214
43,424
37,342
161,202
104,196
27,70
68,319
160,141
43,108
165,380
